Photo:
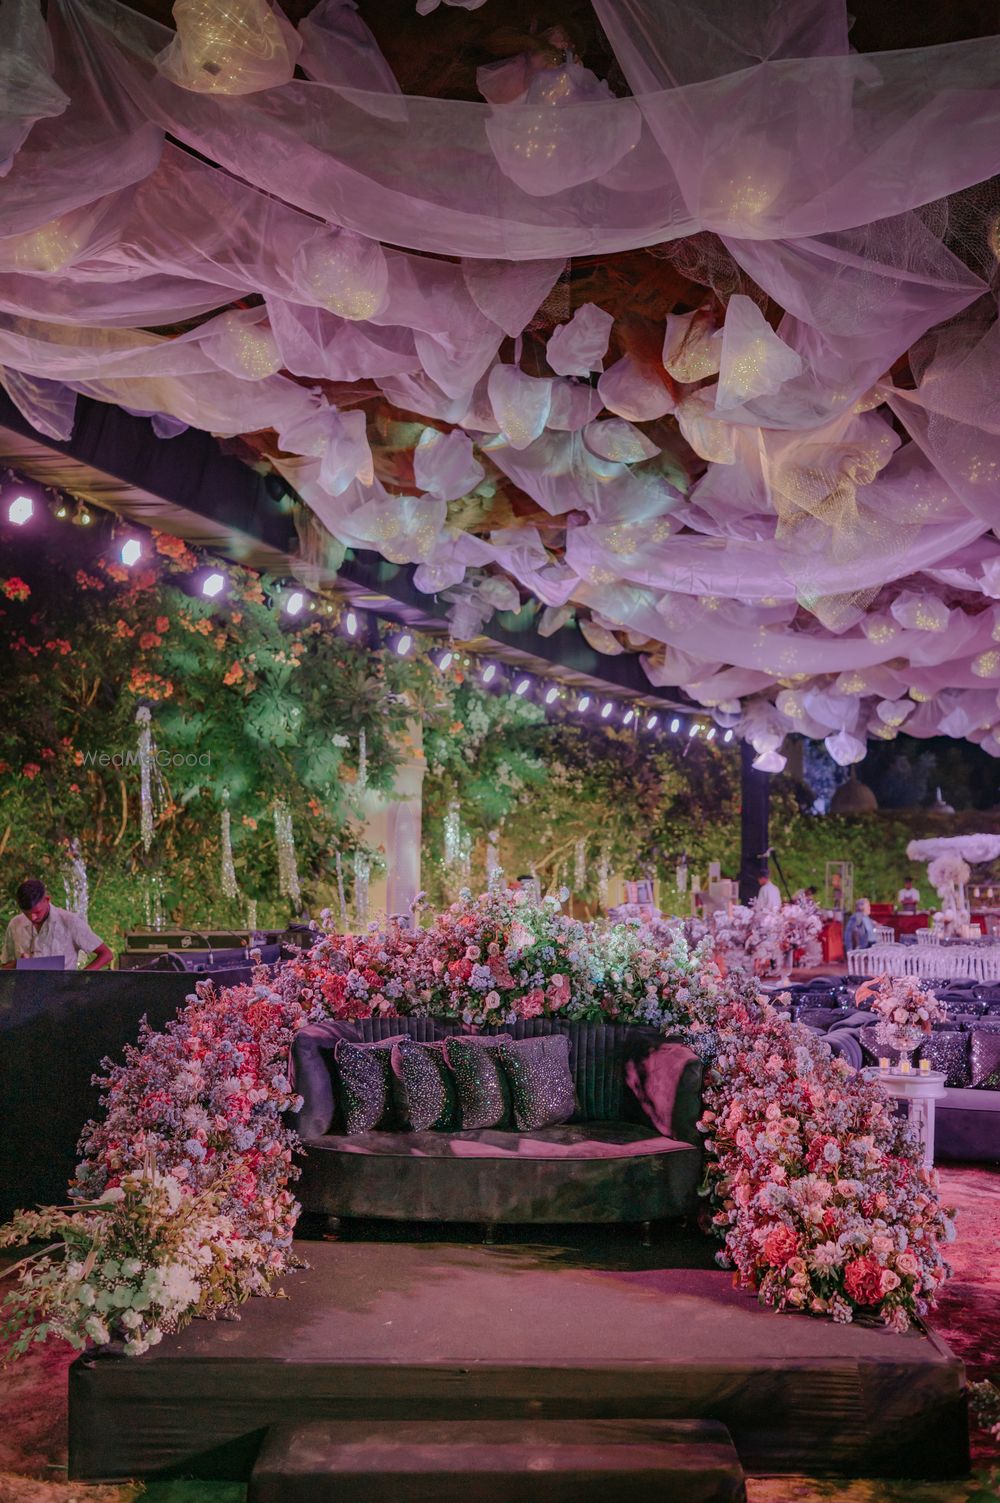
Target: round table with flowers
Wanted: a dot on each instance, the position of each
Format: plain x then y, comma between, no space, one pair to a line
920,1090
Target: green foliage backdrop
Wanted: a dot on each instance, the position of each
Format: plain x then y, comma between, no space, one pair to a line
251,705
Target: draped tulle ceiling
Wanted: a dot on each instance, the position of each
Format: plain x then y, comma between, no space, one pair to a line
704,352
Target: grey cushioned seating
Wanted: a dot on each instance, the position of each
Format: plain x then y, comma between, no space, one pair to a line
608,1164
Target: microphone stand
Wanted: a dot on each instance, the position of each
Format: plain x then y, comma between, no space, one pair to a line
772,855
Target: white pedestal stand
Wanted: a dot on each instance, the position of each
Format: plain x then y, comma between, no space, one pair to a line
920,1090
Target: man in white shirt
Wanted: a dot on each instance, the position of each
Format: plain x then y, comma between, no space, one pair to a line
43,929
768,897
909,896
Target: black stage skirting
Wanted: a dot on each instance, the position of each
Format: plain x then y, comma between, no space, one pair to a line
432,1331
55,1028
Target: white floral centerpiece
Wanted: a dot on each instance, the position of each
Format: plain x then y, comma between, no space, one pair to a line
907,1010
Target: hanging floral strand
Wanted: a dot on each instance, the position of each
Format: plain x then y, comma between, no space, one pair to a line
362,873
228,876
143,719
580,866
340,892
452,835
75,883
362,761
288,875
603,876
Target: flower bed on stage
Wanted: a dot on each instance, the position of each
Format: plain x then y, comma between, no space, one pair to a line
815,1188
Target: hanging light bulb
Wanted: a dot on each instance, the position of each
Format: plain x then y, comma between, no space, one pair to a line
403,644
675,725
728,737
710,733
521,687
489,673
444,660
213,585
295,603
352,623
583,704
551,694
693,729
652,721
628,717
20,510
131,552
606,710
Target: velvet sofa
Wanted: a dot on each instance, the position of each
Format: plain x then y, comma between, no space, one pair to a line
967,1116
609,1163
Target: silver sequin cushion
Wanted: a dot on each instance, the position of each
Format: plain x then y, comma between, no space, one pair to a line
364,1093
422,1087
480,1082
948,1050
985,1054
541,1086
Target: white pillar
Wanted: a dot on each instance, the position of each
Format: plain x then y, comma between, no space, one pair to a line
393,825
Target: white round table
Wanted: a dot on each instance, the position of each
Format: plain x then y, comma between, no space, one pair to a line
920,1089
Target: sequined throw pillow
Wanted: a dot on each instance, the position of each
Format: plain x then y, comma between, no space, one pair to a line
541,1086
947,1049
985,1059
422,1087
364,1094
480,1082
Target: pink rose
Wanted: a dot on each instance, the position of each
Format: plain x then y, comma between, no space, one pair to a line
532,1005
908,1264
558,992
863,1280
780,1246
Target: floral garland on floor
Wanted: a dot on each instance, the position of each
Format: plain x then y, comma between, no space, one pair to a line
818,1190
815,1188
183,1190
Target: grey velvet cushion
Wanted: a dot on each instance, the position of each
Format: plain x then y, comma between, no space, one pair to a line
541,1086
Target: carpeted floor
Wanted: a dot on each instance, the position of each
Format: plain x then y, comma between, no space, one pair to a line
33,1392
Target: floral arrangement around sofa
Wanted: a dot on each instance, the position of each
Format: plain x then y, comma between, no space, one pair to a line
816,1190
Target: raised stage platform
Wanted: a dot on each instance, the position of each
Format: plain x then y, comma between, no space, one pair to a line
435,1331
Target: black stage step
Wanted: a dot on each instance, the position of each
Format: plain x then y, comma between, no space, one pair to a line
492,1461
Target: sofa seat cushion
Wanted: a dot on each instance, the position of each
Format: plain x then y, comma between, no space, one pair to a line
572,1140
576,1172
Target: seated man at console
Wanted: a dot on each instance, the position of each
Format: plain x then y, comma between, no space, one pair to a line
43,929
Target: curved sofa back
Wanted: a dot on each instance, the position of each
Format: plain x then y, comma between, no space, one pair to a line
598,1055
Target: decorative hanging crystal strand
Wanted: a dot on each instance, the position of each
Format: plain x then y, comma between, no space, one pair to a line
251,913
362,873
580,866
465,857
74,876
230,888
340,893
452,835
288,875
492,855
